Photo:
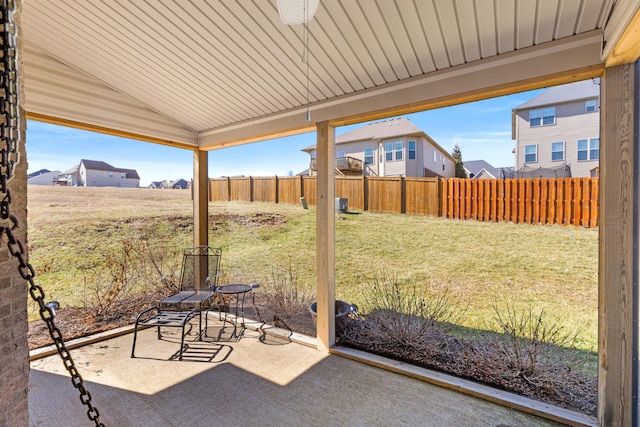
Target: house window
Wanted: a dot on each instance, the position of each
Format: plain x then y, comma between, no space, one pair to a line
313,154
542,116
412,150
435,156
388,151
588,149
341,153
123,175
398,150
557,151
590,105
530,153
368,156
110,174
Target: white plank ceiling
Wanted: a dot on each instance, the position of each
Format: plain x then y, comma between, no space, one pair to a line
179,69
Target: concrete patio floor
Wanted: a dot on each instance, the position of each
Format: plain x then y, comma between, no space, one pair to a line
258,380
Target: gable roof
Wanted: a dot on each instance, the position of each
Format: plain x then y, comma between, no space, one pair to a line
384,129
475,167
103,166
586,89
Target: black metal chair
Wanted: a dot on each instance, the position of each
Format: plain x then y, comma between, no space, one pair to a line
200,265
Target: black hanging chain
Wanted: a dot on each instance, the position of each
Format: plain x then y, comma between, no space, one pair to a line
9,157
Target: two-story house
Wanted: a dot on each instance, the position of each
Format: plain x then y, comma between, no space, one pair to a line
394,147
559,130
94,173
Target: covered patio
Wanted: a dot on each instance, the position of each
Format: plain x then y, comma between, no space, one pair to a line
265,380
205,75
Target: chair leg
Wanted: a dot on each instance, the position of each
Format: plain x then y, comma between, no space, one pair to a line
135,335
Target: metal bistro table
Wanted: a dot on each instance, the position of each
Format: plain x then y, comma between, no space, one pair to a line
239,291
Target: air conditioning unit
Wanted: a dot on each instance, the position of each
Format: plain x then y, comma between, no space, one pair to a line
341,205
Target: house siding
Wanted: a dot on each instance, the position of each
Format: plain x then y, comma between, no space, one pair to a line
572,123
97,178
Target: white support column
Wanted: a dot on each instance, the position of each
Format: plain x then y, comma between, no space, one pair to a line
325,237
200,209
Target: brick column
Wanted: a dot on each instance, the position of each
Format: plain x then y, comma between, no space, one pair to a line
14,351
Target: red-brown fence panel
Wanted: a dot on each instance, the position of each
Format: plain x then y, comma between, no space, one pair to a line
565,201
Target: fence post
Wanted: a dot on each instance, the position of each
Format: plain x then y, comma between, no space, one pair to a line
403,195
275,197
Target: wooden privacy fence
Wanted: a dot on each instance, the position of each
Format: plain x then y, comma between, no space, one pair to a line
565,201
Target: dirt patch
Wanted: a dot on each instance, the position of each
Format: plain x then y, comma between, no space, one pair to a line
256,220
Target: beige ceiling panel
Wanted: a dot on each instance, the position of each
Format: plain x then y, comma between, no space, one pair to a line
414,26
569,13
546,21
520,70
466,12
486,29
431,26
359,16
506,25
593,14
450,32
401,34
344,59
56,91
526,24
359,53
217,64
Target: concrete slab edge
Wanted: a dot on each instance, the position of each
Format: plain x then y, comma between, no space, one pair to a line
42,352
481,391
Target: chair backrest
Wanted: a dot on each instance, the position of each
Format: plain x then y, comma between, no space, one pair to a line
200,268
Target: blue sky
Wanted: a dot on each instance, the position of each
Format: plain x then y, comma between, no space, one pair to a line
482,129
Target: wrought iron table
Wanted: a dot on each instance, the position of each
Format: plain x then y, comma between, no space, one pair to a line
239,291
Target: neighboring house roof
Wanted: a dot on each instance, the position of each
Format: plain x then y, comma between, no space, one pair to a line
586,89
381,130
103,166
36,173
180,183
474,167
45,178
72,170
155,184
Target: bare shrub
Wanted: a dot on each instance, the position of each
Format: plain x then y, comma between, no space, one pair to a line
404,311
531,343
165,266
285,293
121,272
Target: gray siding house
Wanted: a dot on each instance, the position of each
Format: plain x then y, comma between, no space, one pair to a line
394,147
93,173
559,130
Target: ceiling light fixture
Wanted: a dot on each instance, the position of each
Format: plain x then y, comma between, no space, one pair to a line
294,12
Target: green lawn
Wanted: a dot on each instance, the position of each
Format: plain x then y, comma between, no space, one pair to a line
75,232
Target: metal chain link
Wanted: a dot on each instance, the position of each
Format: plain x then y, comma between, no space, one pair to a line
9,157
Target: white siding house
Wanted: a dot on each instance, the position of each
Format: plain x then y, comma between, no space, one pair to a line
93,173
394,147
558,128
